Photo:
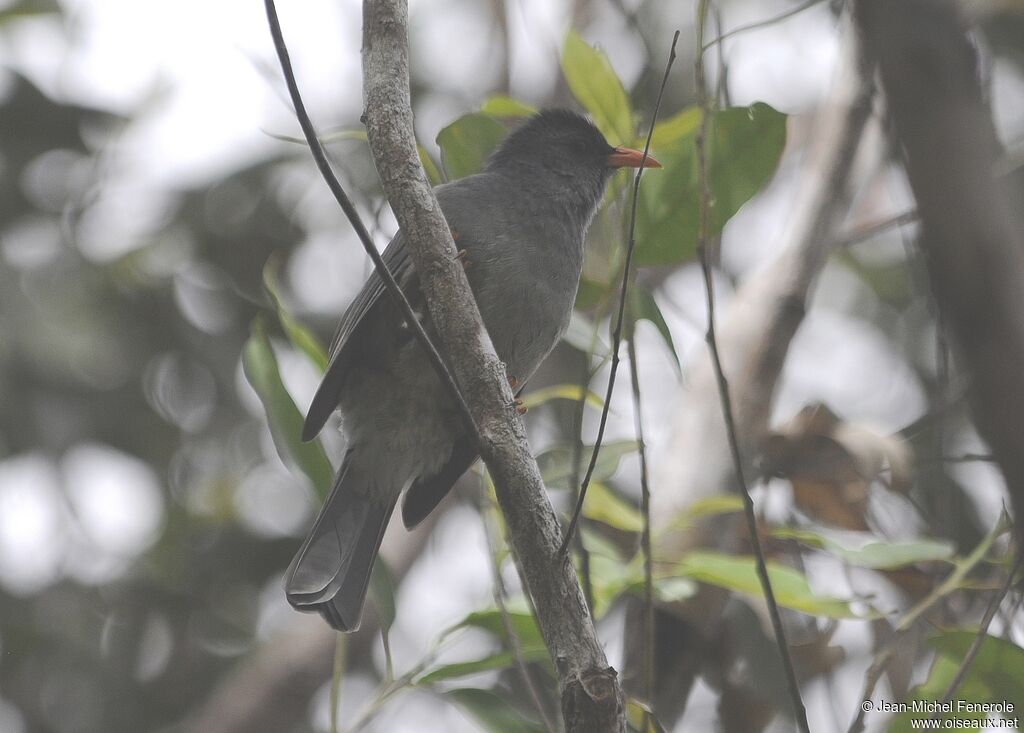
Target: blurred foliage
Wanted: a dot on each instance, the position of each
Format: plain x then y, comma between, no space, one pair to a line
145,352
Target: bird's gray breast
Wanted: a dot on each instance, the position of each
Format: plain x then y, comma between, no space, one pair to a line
526,299
523,263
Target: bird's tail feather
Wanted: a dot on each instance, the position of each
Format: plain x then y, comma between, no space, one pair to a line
331,570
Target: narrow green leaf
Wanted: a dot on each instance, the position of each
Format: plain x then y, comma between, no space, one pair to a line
498,660
591,292
524,625
556,464
493,712
561,392
597,87
300,336
430,167
260,366
637,713
501,105
466,143
611,578
645,307
739,574
684,124
382,587
708,507
868,552
605,506
744,148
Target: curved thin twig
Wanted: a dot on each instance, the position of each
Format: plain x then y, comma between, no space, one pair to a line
799,711
324,166
759,24
617,335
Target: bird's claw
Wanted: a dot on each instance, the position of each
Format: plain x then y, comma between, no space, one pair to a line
520,407
463,258
513,382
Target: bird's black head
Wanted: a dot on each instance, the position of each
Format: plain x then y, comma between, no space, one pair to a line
560,149
556,139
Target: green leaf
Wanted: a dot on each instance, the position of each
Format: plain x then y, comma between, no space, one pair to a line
466,143
638,713
260,366
382,587
498,660
739,573
996,676
684,124
523,624
611,578
300,336
645,308
869,552
744,147
605,506
597,87
501,105
556,464
430,167
591,292
710,506
561,392
492,712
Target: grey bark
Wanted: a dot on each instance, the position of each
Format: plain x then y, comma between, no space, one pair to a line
591,696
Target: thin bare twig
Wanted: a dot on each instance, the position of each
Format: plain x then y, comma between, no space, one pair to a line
337,672
324,166
972,652
970,458
617,335
577,463
799,711
760,24
867,232
645,534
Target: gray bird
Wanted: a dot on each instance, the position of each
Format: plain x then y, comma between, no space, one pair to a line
521,224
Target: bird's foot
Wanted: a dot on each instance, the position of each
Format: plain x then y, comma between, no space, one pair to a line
520,407
463,259
513,382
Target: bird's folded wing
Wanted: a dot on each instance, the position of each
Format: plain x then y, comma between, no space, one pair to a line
396,257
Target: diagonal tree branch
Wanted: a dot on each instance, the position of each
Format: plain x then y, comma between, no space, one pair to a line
591,696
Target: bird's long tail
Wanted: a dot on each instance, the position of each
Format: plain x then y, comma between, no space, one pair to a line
331,570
